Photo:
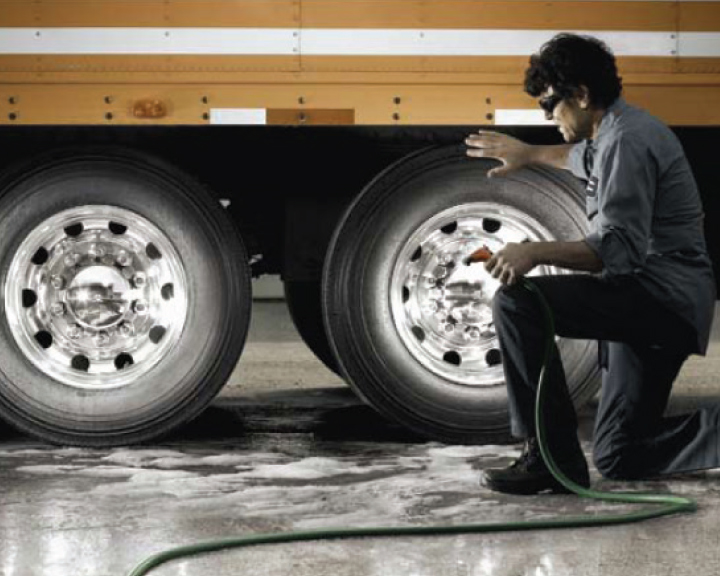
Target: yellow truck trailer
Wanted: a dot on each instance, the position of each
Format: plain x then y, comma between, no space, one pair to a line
156,154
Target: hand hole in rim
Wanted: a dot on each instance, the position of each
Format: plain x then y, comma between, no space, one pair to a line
453,358
29,298
167,291
156,334
44,338
117,229
491,225
493,357
40,257
81,363
74,229
152,252
449,228
123,361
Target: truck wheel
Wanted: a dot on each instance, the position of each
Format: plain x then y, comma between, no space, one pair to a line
126,298
303,300
411,326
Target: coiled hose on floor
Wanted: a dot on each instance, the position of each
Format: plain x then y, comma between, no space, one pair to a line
664,504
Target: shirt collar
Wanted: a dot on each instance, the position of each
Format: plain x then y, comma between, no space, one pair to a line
608,120
611,115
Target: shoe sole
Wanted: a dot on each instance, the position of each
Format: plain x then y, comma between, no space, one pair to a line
523,489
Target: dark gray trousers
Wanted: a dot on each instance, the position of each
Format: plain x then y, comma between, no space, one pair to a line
645,346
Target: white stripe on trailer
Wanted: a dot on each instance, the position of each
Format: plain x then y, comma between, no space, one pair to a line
245,41
238,116
391,42
337,42
521,117
699,44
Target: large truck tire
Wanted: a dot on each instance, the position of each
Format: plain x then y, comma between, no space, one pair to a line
304,302
126,297
410,326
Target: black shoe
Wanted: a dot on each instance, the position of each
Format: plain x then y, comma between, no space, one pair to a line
529,475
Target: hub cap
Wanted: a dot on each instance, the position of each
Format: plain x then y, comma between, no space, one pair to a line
96,296
441,308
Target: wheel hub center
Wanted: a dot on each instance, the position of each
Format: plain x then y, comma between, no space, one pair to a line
442,308
458,297
98,297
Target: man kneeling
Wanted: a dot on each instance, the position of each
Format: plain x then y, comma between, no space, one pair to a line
652,304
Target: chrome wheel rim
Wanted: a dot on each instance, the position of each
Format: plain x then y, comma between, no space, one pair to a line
441,308
96,297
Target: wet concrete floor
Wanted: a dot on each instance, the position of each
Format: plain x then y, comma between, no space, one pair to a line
314,458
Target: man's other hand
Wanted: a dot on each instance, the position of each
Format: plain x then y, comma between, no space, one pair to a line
513,153
512,262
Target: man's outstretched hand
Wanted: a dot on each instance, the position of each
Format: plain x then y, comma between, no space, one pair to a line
513,153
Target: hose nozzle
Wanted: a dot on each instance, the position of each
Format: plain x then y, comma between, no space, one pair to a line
480,255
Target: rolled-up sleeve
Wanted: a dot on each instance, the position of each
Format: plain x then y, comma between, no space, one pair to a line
626,193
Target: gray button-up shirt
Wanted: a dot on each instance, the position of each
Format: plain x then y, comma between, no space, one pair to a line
646,214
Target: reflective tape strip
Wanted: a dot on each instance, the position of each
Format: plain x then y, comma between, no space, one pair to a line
341,42
265,41
699,44
238,116
336,42
521,117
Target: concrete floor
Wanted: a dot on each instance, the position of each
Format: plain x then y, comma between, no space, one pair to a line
292,449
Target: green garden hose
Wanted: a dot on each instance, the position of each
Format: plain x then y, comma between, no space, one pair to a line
663,504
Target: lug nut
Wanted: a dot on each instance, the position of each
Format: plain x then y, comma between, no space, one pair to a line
139,279
57,282
472,334
123,258
448,324
71,259
57,309
126,329
440,272
140,307
102,338
74,332
96,251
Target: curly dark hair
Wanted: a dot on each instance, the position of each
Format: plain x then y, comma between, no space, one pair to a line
569,61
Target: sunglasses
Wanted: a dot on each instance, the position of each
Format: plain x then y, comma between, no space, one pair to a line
549,103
